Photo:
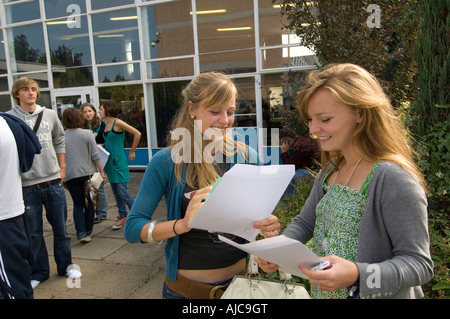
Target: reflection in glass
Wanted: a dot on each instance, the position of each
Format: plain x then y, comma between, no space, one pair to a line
40,78
70,50
119,73
5,102
167,101
66,102
64,8
170,68
102,4
28,51
231,62
226,28
71,77
69,46
168,29
3,69
288,57
116,36
245,115
130,99
4,84
23,11
270,23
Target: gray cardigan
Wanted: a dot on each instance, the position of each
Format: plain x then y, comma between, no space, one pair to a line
393,245
77,153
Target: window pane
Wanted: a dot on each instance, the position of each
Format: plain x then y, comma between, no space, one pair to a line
270,23
4,84
40,78
278,92
170,68
245,115
225,25
239,61
24,11
3,69
130,99
288,57
64,8
71,77
5,103
168,29
102,4
118,73
167,101
69,44
28,50
116,36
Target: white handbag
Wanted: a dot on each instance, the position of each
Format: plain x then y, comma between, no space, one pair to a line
96,180
252,286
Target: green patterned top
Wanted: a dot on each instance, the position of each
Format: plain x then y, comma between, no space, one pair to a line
339,214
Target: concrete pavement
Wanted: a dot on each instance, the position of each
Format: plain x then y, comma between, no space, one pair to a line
112,268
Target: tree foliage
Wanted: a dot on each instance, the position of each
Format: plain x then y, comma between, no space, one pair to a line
377,35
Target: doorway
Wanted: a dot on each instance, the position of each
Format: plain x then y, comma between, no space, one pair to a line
72,98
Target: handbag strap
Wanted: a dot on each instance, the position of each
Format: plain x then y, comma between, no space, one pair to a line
38,122
253,269
90,160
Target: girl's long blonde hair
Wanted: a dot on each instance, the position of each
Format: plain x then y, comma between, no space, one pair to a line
381,136
210,90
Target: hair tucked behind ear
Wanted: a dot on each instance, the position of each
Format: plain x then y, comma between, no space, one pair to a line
381,136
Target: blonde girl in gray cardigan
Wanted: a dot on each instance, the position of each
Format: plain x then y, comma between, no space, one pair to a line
367,211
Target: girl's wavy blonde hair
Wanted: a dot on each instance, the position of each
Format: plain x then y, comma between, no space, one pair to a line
208,90
381,136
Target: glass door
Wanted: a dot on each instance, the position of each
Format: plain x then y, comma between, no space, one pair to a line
72,98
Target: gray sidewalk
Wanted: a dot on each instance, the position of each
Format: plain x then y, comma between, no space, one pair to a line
112,268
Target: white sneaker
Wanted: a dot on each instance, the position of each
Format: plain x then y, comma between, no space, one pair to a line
85,239
35,283
74,274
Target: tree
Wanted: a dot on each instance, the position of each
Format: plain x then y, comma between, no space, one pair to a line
433,56
379,37
430,115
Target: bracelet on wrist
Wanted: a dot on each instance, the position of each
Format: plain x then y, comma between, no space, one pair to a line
150,239
173,228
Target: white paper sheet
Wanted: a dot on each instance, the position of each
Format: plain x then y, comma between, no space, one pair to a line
104,154
285,252
245,194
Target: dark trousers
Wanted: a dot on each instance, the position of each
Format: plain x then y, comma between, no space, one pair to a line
82,216
16,257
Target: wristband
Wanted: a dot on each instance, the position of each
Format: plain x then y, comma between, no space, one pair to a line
173,228
150,234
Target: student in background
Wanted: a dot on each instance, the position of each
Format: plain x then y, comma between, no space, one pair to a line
117,166
93,122
82,160
42,184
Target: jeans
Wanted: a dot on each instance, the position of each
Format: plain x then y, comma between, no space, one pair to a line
123,198
53,198
82,216
102,205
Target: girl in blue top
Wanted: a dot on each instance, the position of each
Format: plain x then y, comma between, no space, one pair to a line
196,261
